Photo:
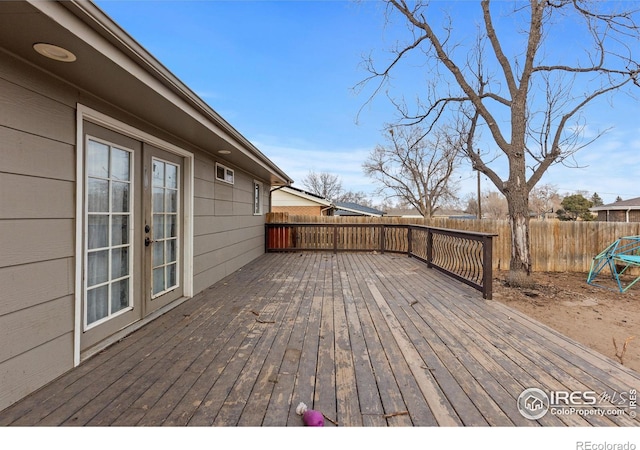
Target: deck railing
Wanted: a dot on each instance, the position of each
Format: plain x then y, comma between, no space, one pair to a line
464,255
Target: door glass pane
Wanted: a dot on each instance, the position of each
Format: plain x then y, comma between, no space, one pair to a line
158,173
119,295
172,201
119,229
158,280
158,254
98,195
120,197
119,262
97,160
172,176
158,200
172,228
97,231
97,267
120,164
97,304
171,250
171,274
108,238
158,226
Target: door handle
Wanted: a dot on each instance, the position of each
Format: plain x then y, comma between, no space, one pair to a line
148,241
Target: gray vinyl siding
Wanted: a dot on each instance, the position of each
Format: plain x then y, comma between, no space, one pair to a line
38,223
226,233
37,228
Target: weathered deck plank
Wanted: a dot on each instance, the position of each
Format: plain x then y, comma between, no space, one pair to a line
368,339
397,389
348,408
424,341
370,400
280,404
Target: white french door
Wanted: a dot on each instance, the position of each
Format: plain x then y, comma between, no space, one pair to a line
133,232
164,197
112,256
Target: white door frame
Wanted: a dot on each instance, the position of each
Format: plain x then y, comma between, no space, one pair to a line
84,113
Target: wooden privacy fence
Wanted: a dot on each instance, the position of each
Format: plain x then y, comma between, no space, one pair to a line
556,246
464,255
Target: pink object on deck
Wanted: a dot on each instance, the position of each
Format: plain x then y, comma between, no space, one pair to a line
310,417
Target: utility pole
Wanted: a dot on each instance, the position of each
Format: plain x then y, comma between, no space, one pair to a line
479,201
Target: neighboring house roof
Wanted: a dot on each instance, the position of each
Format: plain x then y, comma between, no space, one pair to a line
293,195
453,214
354,209
112,66
403,212
632,203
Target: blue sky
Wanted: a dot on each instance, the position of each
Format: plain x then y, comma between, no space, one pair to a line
283,72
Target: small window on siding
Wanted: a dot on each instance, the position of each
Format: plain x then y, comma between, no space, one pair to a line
223,173
257,198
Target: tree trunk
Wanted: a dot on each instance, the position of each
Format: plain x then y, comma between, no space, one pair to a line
517,192
520,264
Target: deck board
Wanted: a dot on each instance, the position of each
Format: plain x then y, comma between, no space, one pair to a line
368,339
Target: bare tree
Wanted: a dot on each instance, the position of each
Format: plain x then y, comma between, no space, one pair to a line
470,202
529,96
324,184
544,199
359,197
494,205
414,169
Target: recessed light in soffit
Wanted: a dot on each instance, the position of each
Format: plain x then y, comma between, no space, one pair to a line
54,52
224,152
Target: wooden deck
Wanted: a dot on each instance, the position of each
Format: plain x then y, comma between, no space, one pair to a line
368,339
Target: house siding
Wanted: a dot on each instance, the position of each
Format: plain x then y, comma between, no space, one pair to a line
227,235
37,228
38,223
292,203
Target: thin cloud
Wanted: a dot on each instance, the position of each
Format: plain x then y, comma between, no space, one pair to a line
344,163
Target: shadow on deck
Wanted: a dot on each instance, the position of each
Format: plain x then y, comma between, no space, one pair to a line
368,339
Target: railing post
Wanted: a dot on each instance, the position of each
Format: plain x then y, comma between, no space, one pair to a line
429,247
409,240
487,267
335,238
382,237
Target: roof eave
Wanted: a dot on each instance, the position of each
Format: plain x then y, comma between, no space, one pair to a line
615,208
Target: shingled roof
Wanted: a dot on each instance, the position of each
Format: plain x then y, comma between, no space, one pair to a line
354,209
632,203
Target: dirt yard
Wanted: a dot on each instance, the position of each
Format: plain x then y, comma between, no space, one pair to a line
591,315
